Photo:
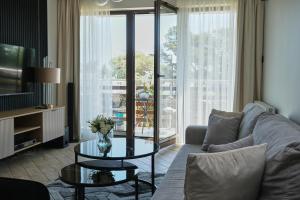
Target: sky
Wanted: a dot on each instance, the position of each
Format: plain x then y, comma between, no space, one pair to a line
144,32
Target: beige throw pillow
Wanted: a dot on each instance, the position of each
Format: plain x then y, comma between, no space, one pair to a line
230,175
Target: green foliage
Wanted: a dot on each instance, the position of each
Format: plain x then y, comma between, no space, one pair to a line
171,40
144,64
119,67
168,53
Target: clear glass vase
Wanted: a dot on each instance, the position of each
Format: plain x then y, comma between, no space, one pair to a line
104,142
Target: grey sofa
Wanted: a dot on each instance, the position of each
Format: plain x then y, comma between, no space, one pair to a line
172,186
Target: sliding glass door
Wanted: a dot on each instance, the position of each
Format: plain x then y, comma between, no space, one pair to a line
137,86
133,73
165,72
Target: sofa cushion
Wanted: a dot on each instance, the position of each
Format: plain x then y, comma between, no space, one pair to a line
244,142
282,175
222,128
251,113
230,175
172,185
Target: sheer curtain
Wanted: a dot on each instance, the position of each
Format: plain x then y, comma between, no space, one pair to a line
95,59
207,32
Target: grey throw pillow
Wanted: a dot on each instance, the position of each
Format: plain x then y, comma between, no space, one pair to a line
251,113
229,175
226,114
222,128
244,142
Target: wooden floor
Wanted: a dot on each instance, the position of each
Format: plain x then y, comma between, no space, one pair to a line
44,164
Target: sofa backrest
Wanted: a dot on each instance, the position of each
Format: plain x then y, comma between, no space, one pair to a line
251,113
282,175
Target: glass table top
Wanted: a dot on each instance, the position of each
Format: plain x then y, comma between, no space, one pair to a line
121,149
77,175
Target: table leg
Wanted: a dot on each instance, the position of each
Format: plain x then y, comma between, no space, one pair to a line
153,174
79,193
76,158
136,189
76,193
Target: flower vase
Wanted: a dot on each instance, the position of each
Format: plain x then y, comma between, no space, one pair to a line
104,142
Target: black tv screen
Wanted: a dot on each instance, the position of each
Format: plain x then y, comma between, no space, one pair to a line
11,68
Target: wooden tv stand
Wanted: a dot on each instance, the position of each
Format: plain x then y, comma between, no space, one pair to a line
29,124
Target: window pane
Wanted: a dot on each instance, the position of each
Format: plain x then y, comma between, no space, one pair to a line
118,38
168,64
144,74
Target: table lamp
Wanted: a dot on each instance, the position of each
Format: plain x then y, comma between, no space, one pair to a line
47,75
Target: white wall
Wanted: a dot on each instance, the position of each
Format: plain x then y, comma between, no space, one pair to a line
282,57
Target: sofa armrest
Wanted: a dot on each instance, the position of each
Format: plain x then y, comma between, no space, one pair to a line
195,134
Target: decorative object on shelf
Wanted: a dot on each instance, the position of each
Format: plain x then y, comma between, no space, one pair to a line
103,127
102,176
104,2
104,143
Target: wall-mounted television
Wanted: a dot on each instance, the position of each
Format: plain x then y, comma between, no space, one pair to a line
13,61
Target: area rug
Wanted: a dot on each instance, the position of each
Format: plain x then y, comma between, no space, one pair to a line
61,191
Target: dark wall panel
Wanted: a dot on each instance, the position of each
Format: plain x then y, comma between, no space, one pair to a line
24,23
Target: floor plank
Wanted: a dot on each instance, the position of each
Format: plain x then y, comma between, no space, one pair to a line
43,164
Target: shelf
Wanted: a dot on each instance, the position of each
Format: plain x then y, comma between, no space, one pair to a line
19,130
28,147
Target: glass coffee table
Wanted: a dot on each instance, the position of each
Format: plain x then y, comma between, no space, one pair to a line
122,149
81,177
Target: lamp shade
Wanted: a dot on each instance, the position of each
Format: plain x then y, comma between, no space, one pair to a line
47,75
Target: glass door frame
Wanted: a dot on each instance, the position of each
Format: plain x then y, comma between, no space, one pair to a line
157,8
130,67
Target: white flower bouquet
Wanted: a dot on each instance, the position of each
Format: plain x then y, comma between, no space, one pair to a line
101,125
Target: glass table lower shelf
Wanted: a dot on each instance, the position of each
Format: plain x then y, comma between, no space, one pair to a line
90,174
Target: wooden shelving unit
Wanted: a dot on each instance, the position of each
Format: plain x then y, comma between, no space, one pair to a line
25,128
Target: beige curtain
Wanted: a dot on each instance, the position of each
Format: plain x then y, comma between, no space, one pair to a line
68,54
249,52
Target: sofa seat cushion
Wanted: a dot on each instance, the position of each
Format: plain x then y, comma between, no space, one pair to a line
282,175
172,186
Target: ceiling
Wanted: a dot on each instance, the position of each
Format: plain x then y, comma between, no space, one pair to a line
134,4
